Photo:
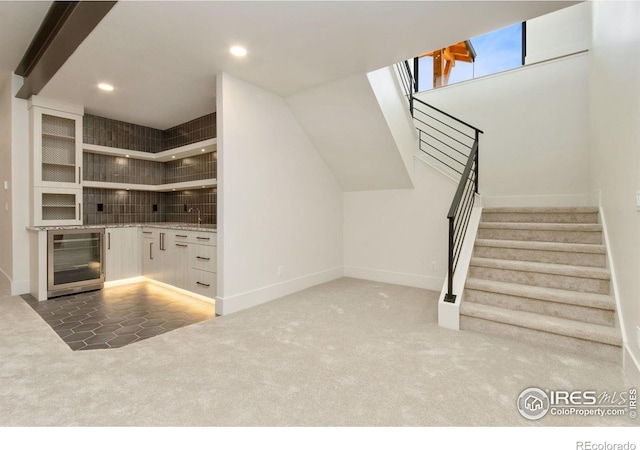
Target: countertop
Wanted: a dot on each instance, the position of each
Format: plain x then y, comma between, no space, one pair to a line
169,225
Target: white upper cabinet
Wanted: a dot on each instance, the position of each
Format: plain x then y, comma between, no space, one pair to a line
56,162
56,134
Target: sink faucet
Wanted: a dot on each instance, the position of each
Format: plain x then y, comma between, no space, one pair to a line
199,219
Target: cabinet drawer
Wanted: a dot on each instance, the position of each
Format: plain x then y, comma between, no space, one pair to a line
203,238
180,236
202,282
193,237
149,233
203,257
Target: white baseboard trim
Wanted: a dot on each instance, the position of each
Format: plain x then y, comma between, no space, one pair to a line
244,300
386,276
449,313
630,363
20,287
535,200
631,366
441,171
16,287
614,277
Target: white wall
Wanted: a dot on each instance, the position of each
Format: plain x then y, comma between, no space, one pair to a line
344,121
6,248
395,108
394,235
535,148
278,203
614,93
559,33
14,201
21,190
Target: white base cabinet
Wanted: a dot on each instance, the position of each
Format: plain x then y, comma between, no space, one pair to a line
184,259
123,253
202,282
150,258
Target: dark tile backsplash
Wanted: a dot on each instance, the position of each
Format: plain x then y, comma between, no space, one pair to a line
114,133
193,131
202,199
107,206
191,168
121,206
117,169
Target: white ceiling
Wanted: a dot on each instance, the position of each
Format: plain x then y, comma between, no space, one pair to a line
19,22
162,57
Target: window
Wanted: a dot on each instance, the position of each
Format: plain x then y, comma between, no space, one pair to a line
495,52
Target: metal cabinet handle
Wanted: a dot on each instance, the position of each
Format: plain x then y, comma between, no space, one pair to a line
108,241
150,250
181,245
202,238
79,175
203,258
147,232
203,284
162,241
79,211
181,235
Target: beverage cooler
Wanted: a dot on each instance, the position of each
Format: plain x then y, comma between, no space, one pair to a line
75,261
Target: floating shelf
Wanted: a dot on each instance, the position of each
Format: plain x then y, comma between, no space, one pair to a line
209,145
44,163
59,136
183,186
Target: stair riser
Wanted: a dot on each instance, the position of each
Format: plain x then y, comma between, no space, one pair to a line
543,256
572,237
565,311
542,339
541,279
540,217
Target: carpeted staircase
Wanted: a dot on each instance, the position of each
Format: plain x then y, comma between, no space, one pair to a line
539,275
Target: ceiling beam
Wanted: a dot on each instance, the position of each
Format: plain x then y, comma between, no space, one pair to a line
64,28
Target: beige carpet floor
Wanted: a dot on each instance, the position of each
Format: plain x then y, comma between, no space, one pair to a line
345,353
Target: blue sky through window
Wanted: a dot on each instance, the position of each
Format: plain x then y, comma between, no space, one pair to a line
496,52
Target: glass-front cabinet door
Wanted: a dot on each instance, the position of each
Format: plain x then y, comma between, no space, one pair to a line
56,149
56,206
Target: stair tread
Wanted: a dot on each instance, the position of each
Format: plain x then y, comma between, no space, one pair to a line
539,245
548,324
544,209
586,299
546,268
543,226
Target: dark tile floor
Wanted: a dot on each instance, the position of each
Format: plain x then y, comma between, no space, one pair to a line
117,316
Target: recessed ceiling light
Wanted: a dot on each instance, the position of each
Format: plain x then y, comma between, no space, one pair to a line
236,50
202,187
105,87
202,150
173,157
127,156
